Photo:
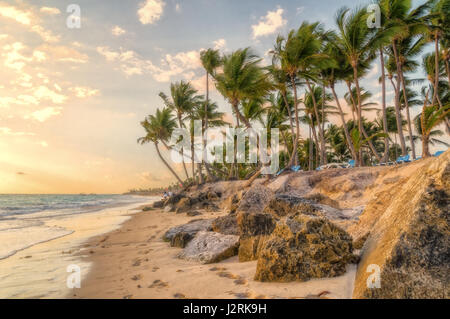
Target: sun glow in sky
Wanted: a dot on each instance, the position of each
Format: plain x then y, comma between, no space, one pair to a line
71,99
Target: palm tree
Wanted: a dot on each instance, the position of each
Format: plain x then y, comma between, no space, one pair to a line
295,54
211,60
242,78
358,42
438,27
159,127
183,98
431,117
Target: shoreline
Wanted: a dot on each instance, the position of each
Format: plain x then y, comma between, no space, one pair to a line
134,262
40,270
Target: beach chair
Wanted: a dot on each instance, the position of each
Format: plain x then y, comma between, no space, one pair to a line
438,153
280,172
296,168
403,159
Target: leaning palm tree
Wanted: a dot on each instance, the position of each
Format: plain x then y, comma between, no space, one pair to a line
183,98
159,127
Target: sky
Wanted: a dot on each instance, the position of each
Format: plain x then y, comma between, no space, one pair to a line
71,99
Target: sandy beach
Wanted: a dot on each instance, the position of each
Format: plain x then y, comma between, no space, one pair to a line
134,262
40,271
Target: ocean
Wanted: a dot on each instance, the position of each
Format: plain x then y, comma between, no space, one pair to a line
23,218
42,235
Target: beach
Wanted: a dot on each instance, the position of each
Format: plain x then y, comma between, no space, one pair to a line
134,262
38,267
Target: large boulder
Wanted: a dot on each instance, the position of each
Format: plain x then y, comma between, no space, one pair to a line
254,225
184,205
210,247
304,247
178,236
409,243
289,205
226,225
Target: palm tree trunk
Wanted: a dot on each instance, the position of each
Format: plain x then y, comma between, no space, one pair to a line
361,128
344,124
405,98
290,116
447,67
192,161
436,65
323,123
398,115
383,104
167,164
180,122
310,152
322,140
208,172
294,157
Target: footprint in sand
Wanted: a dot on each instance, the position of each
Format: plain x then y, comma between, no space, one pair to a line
217,269
137,263
228,275
179,295
136,277
241,281
155,269
159,284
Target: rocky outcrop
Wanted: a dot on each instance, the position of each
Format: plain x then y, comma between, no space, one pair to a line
158,204
226,225
304,247
408,248
289,205
254,225
179,235
210,247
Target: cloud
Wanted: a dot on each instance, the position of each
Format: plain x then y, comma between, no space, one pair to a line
117,31
43,144
300,10
27,18
50,11
22,17
83,92
20,173
150,11
44,93
131,63
219,44
63,53
7,131
44,114
269,24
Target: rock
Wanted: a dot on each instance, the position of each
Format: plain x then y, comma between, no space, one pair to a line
231,204
169,208
193,213
253,223
181,239
183,205
172,200
304,247
210,247
255,199
190,228
410,241
226,225
253,229
158,204
289,205
359,243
